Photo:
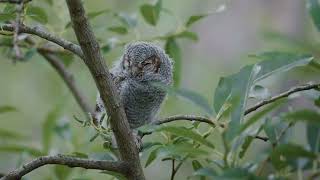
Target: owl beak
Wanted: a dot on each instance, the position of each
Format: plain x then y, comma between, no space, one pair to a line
136,71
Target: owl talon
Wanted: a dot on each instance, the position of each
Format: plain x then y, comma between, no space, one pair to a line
137,139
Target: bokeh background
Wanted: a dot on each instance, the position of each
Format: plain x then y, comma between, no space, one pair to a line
225,40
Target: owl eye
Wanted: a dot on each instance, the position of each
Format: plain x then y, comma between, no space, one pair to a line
151,64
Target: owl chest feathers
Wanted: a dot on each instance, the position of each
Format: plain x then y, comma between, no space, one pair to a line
141,101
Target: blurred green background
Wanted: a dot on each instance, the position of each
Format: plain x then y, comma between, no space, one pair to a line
225,39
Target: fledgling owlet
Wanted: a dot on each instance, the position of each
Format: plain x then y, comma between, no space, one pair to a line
137,76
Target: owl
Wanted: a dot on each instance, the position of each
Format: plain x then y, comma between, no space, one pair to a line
137,76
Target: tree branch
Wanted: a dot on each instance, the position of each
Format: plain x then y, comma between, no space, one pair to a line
70,161
282,95
97,66
45,35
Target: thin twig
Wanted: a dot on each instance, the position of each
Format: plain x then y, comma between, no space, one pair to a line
70,161
173,172
45,35
265,139
282,95
190,118
178,167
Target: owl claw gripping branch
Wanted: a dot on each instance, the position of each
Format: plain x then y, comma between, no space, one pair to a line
136,75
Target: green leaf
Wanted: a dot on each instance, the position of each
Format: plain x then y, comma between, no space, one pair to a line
8,13
152,156
6,109
151,13
6,17
174,51
205,172
314,10
92,15
196,165
148,145
245,146
37,13
306,115
274,62
9,9
193,19
195,98
184,132
7,135
118,29
313,137
283,154
20,149
240,90
188,34
222,92
48,127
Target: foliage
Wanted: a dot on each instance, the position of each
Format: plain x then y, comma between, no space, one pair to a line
194,143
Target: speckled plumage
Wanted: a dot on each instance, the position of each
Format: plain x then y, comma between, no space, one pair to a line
137,76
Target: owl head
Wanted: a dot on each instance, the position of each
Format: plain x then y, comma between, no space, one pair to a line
146,62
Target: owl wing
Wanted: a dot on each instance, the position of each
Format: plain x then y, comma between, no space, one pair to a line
100,110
